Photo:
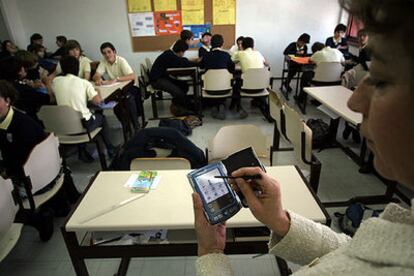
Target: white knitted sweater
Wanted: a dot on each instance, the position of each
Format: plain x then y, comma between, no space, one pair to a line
381,246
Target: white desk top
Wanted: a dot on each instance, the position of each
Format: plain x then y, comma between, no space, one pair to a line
335,98
107,90
170,205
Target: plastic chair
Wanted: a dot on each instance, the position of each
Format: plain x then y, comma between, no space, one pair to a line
230,139
255,82
217,83
67,124
300,135
148,63
160,163
9,231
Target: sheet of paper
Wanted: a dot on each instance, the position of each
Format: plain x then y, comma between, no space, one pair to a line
142,24
168,23
139,6
224,12
192,12
165,5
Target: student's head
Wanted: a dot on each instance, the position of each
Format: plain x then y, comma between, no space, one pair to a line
363,37
12,69
28,59
39,50
187,36
206,39
9,47
180,47
36,39
340,31
386,96
247,42
8,95
108,51
317,46
217,41
239,42
69,65
303,39
61,41
73,48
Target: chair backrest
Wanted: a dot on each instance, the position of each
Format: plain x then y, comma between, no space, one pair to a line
144,72
44,163
160,163
360,73
148,63
7,206
217,80
295,126
61,119
256,79
276,102
328,72
230,139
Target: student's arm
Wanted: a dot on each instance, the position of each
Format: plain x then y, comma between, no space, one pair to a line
127,72
235,57
94,95
97,78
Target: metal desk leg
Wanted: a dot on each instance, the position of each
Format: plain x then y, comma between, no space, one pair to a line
283,267
72,245
123,267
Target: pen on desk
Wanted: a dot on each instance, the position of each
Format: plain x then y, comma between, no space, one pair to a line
245,177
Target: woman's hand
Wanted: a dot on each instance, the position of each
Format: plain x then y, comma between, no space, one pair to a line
267,206
210,238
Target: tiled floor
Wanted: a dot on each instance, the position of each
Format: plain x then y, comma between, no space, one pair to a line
340,180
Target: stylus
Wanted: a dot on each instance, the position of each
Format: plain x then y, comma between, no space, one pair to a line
245,177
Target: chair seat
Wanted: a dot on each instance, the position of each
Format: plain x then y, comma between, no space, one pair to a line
42,198
77,139
263,93
162,152
208,95
9,239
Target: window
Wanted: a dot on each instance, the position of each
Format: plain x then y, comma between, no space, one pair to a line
352,31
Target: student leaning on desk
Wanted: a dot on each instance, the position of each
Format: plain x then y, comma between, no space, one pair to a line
383,245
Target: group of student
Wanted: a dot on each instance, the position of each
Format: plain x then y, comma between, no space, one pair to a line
211,55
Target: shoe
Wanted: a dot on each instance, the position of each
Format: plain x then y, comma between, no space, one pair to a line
242,113
219,113
179,111
85,156
356,137
43,222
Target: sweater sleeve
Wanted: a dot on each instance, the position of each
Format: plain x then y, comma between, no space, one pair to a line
214,264
305,241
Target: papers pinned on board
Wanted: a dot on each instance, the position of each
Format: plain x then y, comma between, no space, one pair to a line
142,24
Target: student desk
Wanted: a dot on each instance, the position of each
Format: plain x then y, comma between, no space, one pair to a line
112,91
170,207
303,64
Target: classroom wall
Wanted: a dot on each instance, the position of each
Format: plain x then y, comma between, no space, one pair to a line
272,23
4,33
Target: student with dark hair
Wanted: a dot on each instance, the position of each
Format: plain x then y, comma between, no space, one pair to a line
115,67
364,55
338,40
159,78
35,39
75,92
237,46
30,98
206,45
60,42
248,57
8,49
74,49
298,48
30,63
218,59
188,37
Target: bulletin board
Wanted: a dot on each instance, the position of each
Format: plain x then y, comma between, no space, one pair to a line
163,42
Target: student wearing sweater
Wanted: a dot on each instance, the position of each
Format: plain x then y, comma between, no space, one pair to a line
382,245
205,45
338,40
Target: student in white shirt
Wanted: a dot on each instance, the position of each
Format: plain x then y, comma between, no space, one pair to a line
248,57
75,92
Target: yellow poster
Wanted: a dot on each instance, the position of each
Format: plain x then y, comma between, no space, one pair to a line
135,6
224,12
165,5
192,12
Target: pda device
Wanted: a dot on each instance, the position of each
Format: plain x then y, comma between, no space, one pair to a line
220,202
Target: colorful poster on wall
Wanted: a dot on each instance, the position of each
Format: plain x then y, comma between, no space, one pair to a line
198,30
142,24
135,6
165,5
192,12
168,23
224,12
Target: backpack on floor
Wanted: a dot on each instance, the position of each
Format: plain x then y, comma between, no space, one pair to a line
320,133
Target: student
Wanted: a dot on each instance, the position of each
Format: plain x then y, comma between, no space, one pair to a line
298,48
74,49
8,49
339,41
382,245
188,37
159,78
115,67
30,63
248,57
364,55
75,92
60,42
237,46
218,59
31,97
206,45
19,133
35,39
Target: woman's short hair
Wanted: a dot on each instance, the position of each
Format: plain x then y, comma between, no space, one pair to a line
217,41
35,36
69,65
107,45
28,59
7,91
72,44
317,46
305,38
180,46
240,39
186,35
61,39
248,42
340,28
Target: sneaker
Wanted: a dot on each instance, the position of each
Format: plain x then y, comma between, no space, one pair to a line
355,136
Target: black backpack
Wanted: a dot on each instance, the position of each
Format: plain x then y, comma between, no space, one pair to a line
320,133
